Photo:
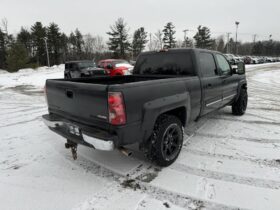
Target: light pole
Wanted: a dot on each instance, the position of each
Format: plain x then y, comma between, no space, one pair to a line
185,37
47,51
228,34
236,49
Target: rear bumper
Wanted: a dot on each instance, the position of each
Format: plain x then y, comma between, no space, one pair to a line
98,139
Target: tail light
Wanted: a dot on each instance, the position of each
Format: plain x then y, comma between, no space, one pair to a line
117,115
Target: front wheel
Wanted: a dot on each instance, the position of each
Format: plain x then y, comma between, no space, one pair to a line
166,140
240,106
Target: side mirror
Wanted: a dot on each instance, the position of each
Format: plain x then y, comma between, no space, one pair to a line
109,66
239,68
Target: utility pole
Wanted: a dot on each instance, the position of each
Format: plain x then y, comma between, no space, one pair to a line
47,51
254,38
228,34
185,37
150,42
236,49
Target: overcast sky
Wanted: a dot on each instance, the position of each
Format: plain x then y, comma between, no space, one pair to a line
92,16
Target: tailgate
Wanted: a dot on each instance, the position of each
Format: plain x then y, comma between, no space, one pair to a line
81,102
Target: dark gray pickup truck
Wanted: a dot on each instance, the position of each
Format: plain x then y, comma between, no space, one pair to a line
167,90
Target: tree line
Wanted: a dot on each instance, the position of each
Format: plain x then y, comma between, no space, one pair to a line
30,46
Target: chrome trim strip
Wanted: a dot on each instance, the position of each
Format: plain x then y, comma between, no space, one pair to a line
230,96
98,144
52,124
214,102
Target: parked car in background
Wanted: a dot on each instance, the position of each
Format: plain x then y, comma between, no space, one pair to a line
248,60
255,60
116,67
82,68
230,58
132,62
269,59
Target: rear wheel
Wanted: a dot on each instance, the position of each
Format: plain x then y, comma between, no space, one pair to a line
240,106
166,140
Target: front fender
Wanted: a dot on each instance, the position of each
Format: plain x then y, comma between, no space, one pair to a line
240,85
153,109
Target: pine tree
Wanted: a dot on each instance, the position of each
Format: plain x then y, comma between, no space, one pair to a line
54,43
220,44
79,42
118,41
3,52
168,36
24,37
39,33
258,48
139,41
64,40
73,44
17,57
203,38
76,42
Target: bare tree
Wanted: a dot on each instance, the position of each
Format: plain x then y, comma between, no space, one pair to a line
99,44
179,43
4,23
155,41
93,44
158,39
88,44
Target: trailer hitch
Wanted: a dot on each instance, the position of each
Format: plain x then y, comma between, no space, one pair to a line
73,146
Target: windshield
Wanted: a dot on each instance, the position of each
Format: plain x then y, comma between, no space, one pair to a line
165,63
85,65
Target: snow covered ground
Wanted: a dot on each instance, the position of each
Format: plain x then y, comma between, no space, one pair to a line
227,162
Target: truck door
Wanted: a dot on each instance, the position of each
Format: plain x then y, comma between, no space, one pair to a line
229,80
211,83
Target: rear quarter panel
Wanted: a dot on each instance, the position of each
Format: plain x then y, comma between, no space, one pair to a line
145,101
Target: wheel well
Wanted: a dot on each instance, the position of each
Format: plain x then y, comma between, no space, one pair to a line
180,113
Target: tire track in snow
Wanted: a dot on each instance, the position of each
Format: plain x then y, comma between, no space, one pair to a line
23,110
259,122
20,122
256,140
22,115
145,187
268,163
228,177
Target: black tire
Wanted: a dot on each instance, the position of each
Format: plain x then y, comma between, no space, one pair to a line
240,106
166,140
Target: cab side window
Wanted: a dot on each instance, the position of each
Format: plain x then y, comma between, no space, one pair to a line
223,65
208,65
